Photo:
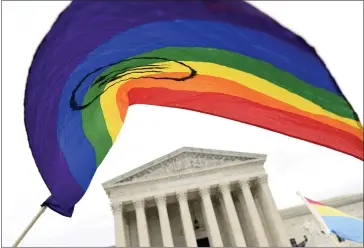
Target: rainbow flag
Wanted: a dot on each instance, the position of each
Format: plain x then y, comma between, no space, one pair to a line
339,223
219,57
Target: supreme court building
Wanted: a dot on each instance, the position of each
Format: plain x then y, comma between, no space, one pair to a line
196,197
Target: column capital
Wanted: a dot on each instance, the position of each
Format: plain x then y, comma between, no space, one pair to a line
262,179
204,190
244,183
181,195
160,199
116,208
225,187
139,203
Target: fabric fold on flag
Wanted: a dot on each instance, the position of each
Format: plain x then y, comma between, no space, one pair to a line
51,203
344,226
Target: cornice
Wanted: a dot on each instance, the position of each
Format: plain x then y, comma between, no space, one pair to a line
188,174
178,191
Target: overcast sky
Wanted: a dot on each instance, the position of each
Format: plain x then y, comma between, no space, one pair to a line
335,29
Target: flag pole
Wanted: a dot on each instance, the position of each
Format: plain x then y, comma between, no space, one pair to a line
41,211
319,219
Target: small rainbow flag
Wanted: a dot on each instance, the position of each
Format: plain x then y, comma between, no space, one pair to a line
342,225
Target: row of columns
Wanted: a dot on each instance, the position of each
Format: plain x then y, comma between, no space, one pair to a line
210,218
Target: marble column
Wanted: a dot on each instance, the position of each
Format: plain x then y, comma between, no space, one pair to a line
212,225
256,222
236,230
164,221
272,216
187,224
142,225
119,225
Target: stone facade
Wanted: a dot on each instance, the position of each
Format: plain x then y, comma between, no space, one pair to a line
200,197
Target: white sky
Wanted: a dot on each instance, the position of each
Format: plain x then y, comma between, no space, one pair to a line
334,28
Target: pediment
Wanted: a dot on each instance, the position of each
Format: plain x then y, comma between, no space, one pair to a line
183,160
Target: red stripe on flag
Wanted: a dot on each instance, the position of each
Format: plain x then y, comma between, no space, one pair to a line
245,111
313,202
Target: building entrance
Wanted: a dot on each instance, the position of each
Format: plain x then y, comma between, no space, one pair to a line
204,242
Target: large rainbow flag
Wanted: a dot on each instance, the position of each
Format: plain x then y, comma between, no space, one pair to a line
339,223
220,57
